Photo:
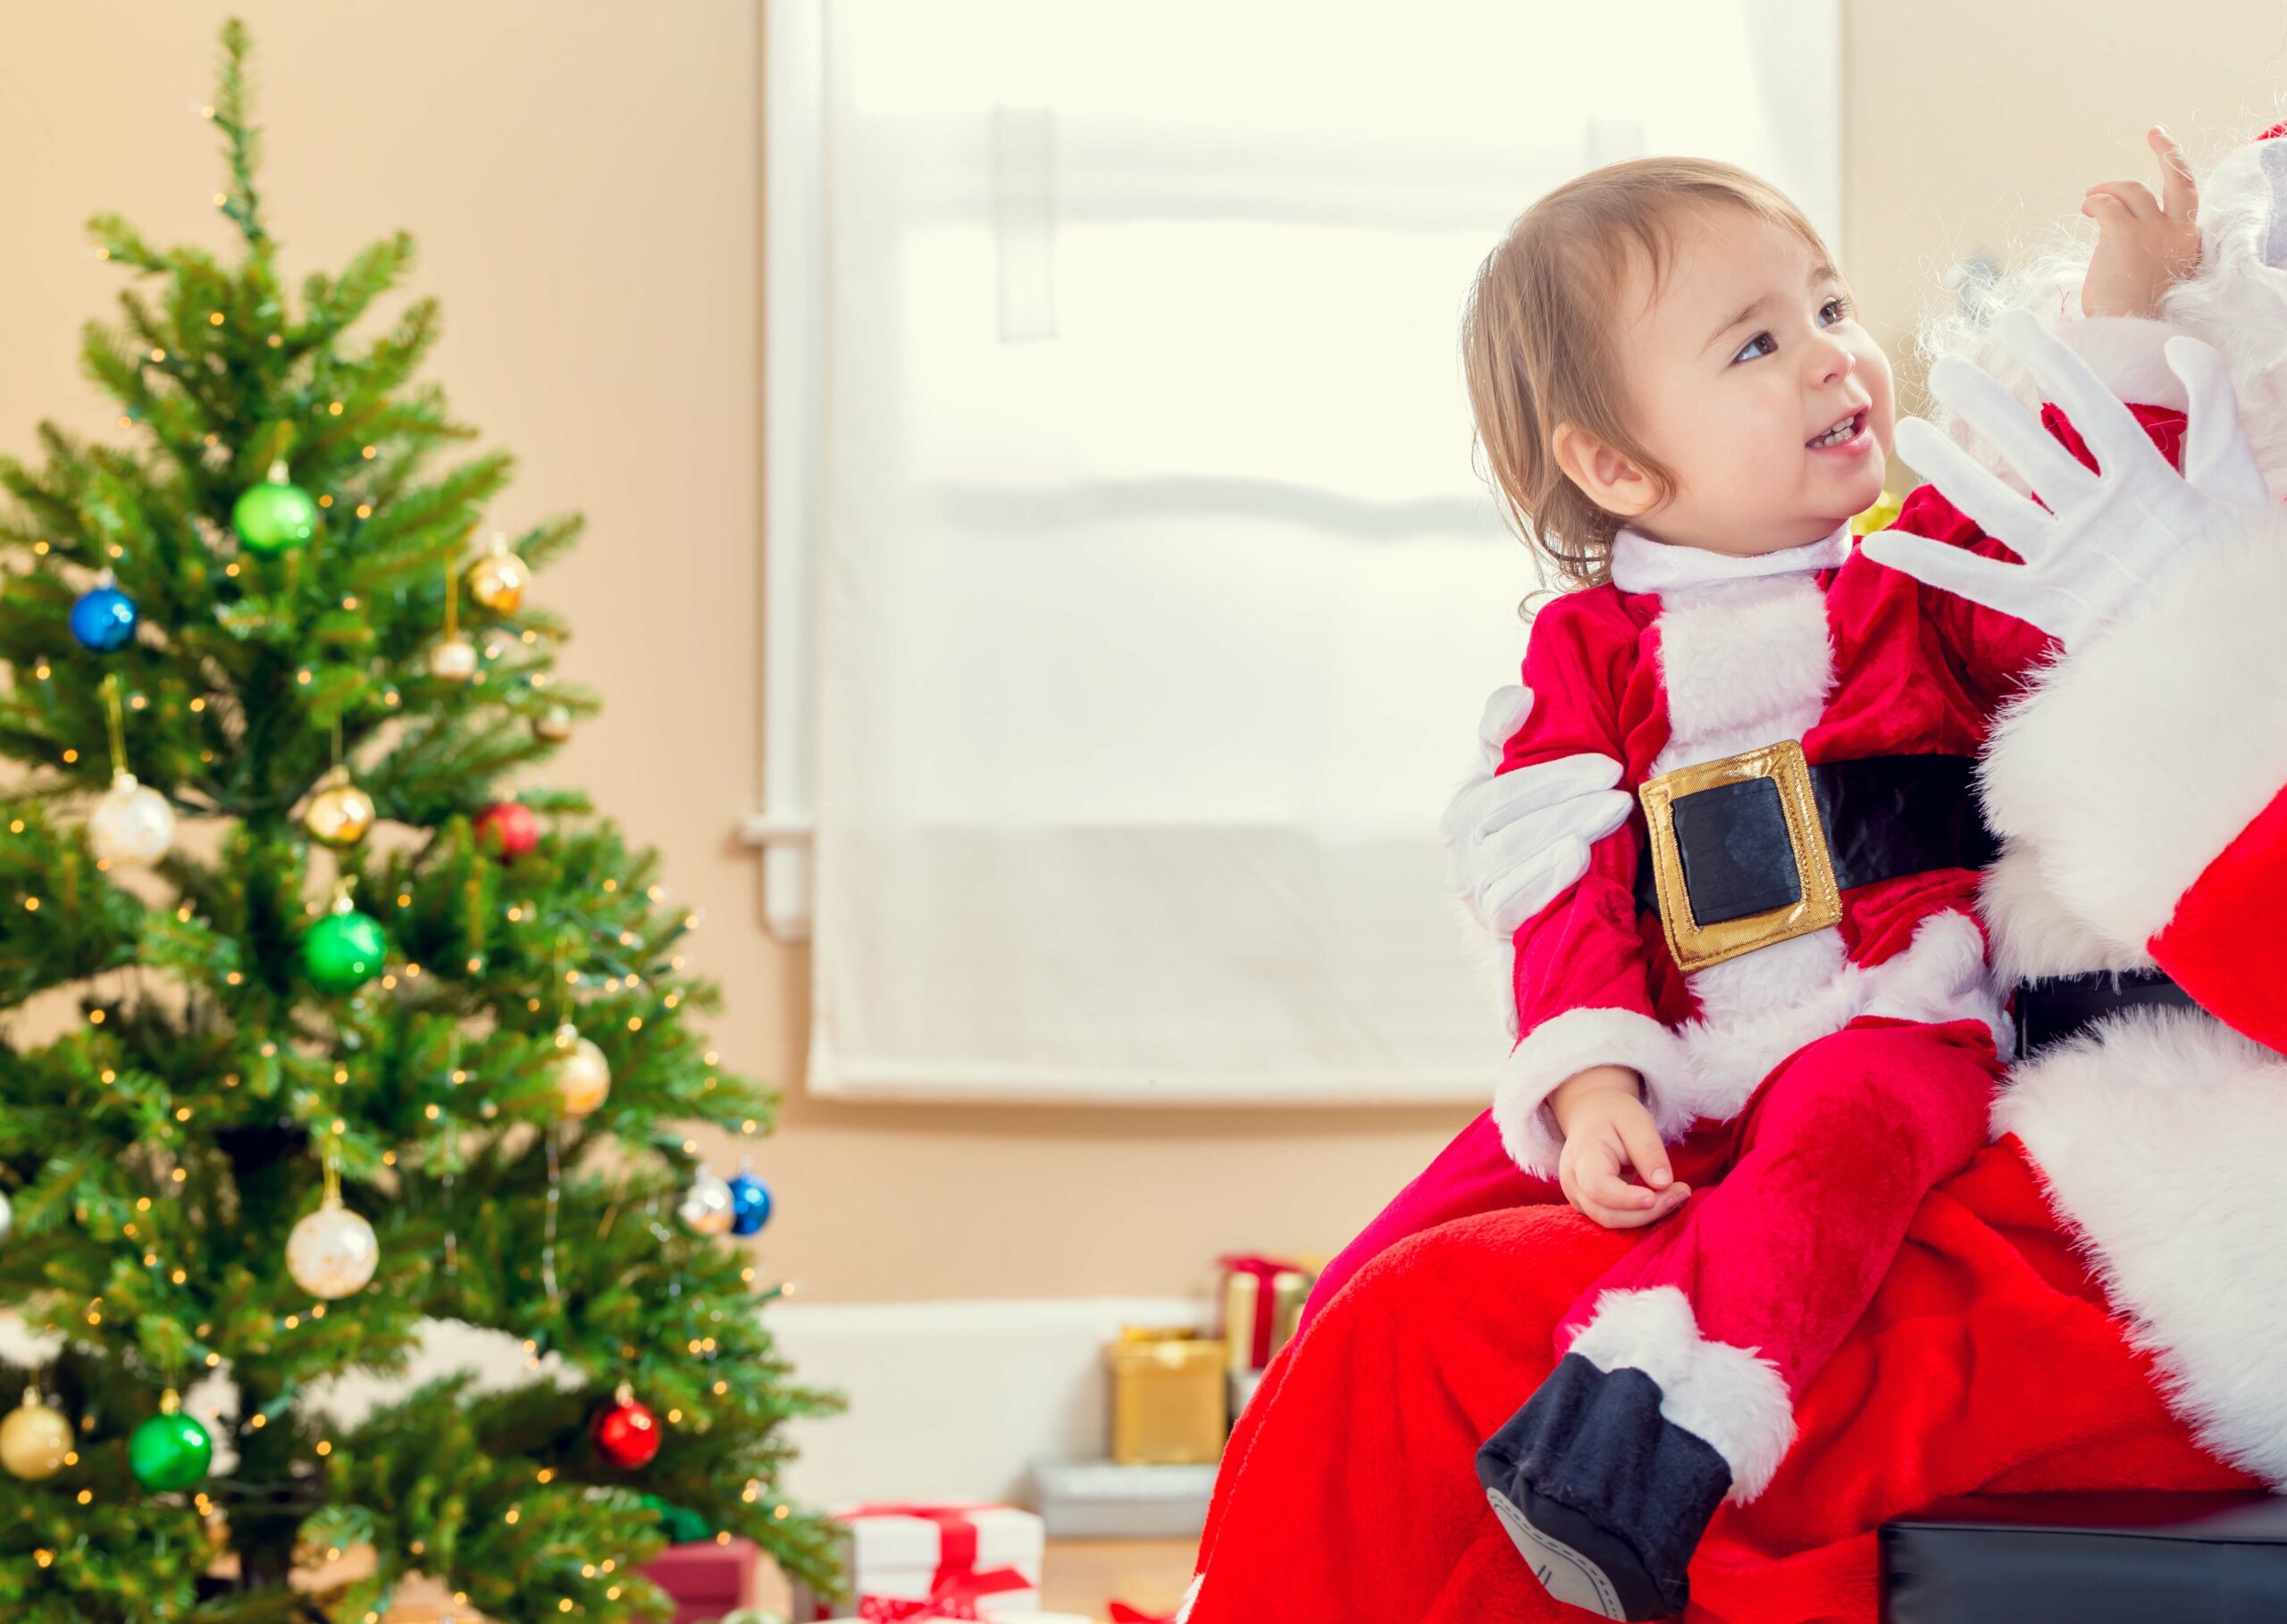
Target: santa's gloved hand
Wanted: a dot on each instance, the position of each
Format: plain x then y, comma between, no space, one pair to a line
1515,842
2103,537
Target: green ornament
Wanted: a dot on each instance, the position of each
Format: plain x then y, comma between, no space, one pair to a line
682,1527
275,516
344,951
170,1450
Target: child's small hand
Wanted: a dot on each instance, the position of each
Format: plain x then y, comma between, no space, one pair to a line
1607,1129
2143,243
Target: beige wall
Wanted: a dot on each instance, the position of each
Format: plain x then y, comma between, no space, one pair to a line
584,181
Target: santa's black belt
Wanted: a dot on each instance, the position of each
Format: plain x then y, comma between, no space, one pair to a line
1756,848
2059,1006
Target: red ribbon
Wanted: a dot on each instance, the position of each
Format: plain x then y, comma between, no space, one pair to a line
1266,1303
1122,1613
957,1586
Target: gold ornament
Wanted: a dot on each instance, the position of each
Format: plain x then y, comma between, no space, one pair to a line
339,813
453,660
34,1439
582,1074
499,579
553,725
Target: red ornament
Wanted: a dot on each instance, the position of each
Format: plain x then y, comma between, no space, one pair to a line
627,1433
508,830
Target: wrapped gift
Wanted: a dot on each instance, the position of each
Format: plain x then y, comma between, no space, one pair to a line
705,1578
917,1562
1169,1406
1104,1499
1262,1303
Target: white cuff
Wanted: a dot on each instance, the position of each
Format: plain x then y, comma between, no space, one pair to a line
1571,1043
1730,1398
2138,758
2126,353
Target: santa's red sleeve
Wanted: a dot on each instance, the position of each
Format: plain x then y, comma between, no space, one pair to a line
1582,986
2147,769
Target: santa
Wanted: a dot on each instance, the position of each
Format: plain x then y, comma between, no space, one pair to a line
2092,1303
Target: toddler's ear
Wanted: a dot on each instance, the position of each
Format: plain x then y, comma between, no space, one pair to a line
1605,476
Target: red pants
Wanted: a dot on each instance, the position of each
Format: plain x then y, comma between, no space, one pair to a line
1797,1204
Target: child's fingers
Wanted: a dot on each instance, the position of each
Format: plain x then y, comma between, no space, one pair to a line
1645,1153
2137,196
2179,192
1600,1185
1636,1218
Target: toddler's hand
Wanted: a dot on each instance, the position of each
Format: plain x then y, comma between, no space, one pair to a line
2143,243
1607,1129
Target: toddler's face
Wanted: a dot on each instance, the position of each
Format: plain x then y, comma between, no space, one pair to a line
1749,376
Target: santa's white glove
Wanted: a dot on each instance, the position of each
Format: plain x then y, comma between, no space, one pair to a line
1514,842
2105,536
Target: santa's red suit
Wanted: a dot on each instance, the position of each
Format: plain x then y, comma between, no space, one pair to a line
2036,1314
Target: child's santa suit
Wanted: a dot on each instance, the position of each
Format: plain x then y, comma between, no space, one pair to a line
1828,1079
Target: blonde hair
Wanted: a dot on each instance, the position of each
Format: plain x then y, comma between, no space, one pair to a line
1536,336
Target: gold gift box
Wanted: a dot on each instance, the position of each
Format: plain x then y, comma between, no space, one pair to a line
1169,1402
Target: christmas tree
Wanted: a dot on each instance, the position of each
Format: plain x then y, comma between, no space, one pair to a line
346,1041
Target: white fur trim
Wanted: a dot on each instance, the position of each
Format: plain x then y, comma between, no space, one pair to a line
2237,300
1571,1043
1760,1008
2162,1136
1641,564
1190,1599
2032,934
1742,664
2136,759
1731,1397
2125,352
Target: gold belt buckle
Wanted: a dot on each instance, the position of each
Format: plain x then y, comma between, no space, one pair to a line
1695,945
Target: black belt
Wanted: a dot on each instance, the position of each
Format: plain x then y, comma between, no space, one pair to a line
2058,1007
1885,816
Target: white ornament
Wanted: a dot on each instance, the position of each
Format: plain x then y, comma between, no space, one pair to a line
708,1206
7,1217
332,1253
453,660
131,823
582,1074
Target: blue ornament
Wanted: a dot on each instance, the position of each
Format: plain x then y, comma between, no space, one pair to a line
104,618
749,1203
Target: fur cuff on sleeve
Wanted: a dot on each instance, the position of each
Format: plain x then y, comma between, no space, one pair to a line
1571,1042
2137,758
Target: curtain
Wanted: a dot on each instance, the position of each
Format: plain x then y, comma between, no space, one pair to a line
1157,594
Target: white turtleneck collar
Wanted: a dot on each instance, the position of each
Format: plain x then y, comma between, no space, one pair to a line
1641,565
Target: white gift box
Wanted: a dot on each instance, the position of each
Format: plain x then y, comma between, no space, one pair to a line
896,1552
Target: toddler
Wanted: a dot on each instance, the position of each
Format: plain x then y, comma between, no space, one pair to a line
1774,968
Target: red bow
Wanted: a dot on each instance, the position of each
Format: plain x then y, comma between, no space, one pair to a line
957,1586
1122,1613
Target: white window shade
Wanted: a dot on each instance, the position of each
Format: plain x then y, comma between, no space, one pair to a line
1156,594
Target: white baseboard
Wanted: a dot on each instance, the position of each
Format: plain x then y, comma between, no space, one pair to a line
954,1401
948,1401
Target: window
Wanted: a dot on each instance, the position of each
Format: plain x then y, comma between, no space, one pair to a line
1134,594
